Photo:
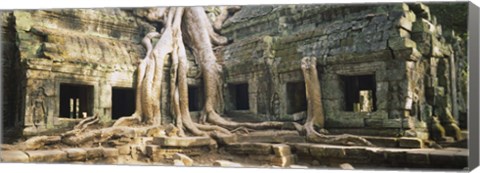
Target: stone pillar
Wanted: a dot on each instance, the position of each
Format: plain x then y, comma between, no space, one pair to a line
252,93
105,102
453,82
443,101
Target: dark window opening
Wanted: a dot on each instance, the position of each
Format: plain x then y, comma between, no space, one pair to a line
194,98
239,96
360,93
296,97
123,102
76,101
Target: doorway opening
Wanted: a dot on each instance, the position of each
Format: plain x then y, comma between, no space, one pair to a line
296,97
239,96
76,101
123,102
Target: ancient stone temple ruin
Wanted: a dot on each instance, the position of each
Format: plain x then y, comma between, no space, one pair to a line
384,70
387,70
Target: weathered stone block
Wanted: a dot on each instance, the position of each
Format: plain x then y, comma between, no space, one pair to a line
400,43
182,141
322,151
154,152
76,154
51,156
143,140
345,119
138,151
178,163
256,148
124,150
406,142
94,153
187,161
346,166
394,123
229,139
302,148
110,152
395,157
360,154
417,158
373,122
383,141
331,89
283,161
440,159
281,150
421,9
14,156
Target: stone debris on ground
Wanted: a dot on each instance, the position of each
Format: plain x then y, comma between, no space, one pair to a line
177,162
347,166
187,161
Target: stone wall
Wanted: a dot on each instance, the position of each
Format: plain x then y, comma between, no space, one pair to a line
400,47
9,55
383,41
99,48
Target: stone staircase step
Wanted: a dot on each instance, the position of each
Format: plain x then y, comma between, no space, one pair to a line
288,136
76,154
182,141
14,156
275,154
401,157
50,156
60,155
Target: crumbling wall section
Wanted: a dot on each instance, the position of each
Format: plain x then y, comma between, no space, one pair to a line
10,84
99,48
383,41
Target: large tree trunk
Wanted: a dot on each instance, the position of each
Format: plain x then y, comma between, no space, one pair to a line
315,114
150,75
198,36
192,26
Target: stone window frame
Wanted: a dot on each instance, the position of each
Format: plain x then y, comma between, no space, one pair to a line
339,70
344,99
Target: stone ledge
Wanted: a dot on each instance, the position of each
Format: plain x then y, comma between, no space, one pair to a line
124,150
110,152
50,156
76,154
250,148
157,153
94,153
275,154
281,150
182,141
406,142
14,156
396,157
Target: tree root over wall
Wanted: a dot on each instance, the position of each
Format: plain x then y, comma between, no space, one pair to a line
190,27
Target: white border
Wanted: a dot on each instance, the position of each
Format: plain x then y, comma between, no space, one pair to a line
48,4
63,168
